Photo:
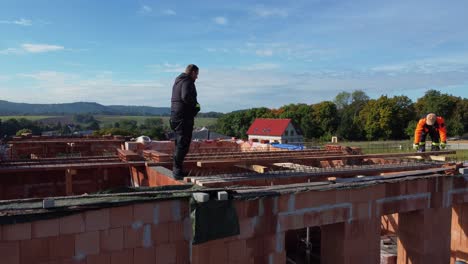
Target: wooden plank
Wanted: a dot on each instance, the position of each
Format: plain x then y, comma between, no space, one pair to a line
269,160
69,181
255,168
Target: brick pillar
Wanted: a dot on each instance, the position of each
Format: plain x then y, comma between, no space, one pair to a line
354,242
459,243
424,236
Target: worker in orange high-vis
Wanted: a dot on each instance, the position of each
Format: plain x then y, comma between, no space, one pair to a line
434,126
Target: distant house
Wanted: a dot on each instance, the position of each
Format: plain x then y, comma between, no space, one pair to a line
270,130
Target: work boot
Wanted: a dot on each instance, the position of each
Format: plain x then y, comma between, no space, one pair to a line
435,148
422,148
179,175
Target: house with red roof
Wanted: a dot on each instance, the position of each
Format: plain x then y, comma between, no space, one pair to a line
270,130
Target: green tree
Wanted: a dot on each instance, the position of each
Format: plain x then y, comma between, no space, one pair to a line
342,100
434,101
237,123
23,131
94,125
325,115
386,118
350,126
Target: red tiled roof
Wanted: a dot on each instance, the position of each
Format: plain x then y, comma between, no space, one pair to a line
268,127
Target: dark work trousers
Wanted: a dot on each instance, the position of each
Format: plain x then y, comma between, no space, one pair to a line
435,137
183,136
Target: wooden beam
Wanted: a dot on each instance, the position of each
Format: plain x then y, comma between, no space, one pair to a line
69,181
255,168
285,158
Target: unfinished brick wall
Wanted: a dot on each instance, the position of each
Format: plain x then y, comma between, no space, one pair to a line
47,183
159,231
156,232
26,149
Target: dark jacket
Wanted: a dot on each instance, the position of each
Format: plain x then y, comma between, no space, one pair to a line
184,98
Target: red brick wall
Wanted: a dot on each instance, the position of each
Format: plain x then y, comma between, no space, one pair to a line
21,185
44,149
156,232
159,231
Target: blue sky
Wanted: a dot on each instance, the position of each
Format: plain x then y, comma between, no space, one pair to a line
250,53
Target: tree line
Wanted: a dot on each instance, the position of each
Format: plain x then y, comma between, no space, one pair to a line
350,116
153,127
354,116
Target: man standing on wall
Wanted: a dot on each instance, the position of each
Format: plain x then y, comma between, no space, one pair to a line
184,108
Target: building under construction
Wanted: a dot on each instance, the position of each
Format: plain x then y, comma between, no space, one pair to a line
105,200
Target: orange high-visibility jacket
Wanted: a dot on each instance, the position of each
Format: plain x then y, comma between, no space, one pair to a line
439,126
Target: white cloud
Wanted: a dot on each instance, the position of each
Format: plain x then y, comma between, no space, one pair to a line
226,89
220,20
223,50
264,52
261,66
9,51
39,48
20,22
426,66
167,68
169,12
144,9
101,87
270,12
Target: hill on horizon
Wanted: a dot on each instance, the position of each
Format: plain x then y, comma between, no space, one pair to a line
11,108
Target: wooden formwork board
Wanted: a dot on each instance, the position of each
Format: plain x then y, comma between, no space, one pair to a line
264,161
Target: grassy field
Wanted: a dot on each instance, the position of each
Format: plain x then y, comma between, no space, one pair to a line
106,120
111,119
32,118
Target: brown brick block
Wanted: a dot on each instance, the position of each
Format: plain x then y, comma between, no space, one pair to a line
143,212
164,212
72,224
34,250
314,198
10,252
182,252
254,247
286,202
97,220
287,222
133,236
122,257
246,228
87,243
121,216
17,231
166,253
237,249
144,256
218,252
176,231
62,246
45,228
112,239
98,259
160,233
